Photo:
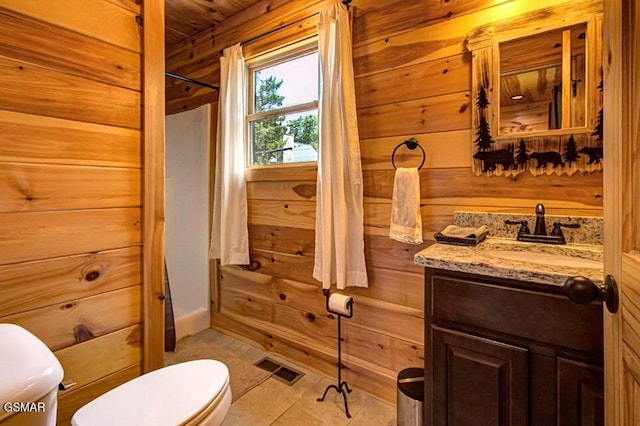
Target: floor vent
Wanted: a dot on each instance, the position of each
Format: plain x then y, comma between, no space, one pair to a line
268,364
287,375
279,372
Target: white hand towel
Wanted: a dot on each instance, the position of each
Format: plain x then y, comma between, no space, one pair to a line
406,221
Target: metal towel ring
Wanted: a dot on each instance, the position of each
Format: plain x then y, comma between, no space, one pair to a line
411,143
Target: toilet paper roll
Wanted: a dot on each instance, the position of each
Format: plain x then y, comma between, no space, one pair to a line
338,303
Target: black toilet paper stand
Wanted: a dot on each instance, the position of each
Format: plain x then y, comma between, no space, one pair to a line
342,387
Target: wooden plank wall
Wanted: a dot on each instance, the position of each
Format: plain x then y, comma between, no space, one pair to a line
413,79
71,186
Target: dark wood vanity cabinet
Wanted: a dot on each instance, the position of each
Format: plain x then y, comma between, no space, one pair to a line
466,362
501,352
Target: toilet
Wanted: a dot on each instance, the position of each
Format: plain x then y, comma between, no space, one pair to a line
29,374
190,393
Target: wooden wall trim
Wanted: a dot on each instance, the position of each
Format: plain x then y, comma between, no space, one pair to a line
614,205
153,186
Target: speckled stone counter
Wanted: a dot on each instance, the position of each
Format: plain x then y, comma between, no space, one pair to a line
502,256
480,260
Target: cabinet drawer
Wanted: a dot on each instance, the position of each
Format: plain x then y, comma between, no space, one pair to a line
542,317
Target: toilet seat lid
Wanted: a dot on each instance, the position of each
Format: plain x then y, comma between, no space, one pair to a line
28,369
169,396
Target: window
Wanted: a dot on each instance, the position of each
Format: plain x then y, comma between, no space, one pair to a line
283,106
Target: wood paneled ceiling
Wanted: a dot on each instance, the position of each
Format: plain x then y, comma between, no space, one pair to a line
184,18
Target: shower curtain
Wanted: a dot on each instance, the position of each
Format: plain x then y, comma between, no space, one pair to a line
229,234
339,239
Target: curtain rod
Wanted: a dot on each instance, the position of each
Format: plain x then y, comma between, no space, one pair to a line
190,80
275,30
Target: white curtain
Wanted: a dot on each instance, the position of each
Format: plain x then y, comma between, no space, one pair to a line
229,234
339,250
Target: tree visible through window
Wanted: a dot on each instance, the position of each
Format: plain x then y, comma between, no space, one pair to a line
268,134
305,130
283,116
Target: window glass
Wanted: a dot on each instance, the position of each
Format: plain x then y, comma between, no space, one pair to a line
283,116
292,82
287,138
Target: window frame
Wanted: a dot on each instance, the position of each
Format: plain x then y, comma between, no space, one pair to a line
264,60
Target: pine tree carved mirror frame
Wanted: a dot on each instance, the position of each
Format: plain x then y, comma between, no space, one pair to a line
557,151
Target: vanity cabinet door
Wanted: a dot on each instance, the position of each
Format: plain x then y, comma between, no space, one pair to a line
477,381
580,394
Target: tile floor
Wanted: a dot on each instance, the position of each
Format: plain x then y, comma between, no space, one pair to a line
260,400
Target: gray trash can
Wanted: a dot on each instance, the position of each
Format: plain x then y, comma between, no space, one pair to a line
410,397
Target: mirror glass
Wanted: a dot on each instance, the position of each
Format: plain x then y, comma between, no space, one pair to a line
542,81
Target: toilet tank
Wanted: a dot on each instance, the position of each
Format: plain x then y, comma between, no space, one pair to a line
29,378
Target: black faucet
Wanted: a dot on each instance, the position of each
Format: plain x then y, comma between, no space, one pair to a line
540,231
541,227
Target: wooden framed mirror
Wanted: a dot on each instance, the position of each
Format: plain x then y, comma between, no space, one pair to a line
537,92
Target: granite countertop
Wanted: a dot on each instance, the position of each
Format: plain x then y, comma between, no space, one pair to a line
507,258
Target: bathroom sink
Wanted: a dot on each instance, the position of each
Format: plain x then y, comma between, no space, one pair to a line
544,258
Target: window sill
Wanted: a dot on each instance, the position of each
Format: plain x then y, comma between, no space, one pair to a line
307,170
